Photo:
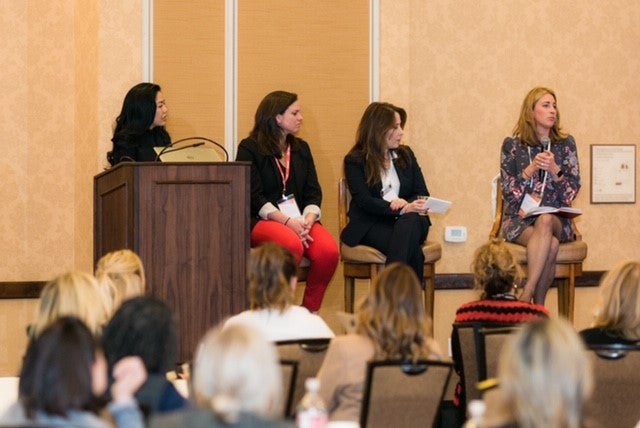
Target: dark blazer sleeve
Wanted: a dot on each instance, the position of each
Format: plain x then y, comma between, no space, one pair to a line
367,206
306,186
264,181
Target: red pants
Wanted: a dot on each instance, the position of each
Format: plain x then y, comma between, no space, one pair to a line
323,254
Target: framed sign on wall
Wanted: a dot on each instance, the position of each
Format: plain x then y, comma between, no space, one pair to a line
613,173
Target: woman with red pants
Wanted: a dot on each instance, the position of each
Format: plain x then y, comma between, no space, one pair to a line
285,193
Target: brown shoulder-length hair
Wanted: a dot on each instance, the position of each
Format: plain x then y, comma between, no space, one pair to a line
266,131
270,271
525,129
377,119
619,310
393,316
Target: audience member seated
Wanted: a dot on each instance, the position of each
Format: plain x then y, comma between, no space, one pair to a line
391,324
495,275
272,281
545,379
144,327
63,374
236,382
120,275
74,294
617,318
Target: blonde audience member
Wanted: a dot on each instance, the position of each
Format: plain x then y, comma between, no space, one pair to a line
391,324
271,272
236,382
72,293
121,276
545,379
617,317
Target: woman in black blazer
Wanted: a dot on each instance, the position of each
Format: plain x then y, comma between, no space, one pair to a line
285,192
385,181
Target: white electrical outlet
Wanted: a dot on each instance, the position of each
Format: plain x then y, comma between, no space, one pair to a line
455,234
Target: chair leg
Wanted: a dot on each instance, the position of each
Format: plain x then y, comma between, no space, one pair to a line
349,293
429,290
566,294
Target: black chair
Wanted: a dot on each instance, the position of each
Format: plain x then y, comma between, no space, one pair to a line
403,394
289,375
616,370
476,350
309,355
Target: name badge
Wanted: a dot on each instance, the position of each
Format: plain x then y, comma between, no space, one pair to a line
529,202
289,206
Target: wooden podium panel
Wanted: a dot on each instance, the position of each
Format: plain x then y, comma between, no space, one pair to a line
189,223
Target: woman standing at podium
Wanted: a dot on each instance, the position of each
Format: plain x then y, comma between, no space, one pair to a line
285,192
140,125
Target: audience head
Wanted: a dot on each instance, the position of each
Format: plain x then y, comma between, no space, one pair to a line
495,271
75,294
272,277
63,370
393,315
266,129
120,275
545,375
619,309
237,370
142,326
525,129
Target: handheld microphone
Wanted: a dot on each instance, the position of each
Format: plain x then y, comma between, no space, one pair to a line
546,145
545,141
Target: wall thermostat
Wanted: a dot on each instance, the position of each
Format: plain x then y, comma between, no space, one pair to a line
455,234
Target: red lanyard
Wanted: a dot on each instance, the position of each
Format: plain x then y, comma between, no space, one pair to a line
284,174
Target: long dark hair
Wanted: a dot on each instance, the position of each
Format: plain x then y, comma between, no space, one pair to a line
137,114
56,372
266,131
143,326
377,119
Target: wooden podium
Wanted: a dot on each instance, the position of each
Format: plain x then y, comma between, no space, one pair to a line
189,223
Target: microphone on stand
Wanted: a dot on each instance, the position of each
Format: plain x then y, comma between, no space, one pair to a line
169,149
202,141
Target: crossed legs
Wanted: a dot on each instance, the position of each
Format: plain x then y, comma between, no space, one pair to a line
542,240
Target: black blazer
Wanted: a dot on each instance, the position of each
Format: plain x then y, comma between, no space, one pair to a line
266,180
367,206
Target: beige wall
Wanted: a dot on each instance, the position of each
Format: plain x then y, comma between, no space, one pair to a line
462,69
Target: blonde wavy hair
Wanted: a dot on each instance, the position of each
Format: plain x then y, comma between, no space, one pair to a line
71,294
393,316
494,269
270,270
120,275
236,370
525,129
619,308
545,375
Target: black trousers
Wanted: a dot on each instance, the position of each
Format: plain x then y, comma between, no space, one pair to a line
400,240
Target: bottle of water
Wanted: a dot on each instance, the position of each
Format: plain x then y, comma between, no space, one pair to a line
312,412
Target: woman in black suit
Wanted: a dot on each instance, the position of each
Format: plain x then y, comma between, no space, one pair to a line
385,181
286,194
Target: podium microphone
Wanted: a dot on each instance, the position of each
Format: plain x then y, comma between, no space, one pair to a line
169,149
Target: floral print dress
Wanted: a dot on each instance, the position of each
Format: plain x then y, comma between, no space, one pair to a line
515,156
